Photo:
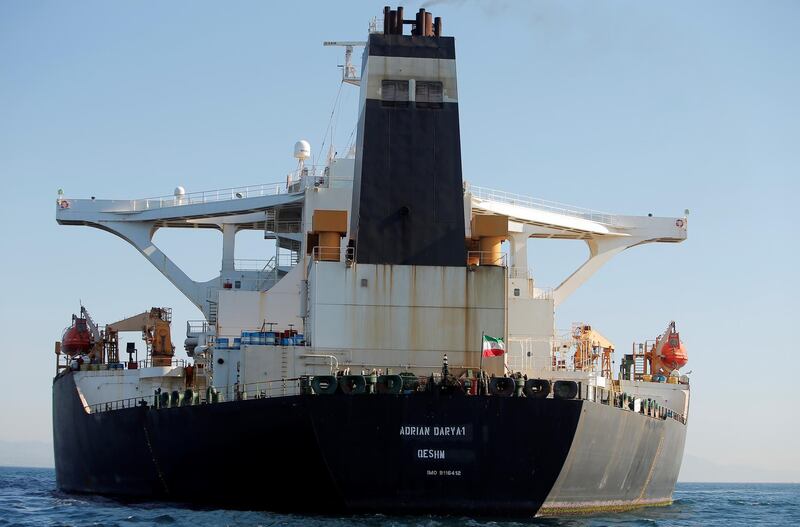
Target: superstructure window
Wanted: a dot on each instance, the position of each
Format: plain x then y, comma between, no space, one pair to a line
428,94
394,93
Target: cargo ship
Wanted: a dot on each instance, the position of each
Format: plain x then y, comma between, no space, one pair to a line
396,355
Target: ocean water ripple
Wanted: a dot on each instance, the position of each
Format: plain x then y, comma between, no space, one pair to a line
28,497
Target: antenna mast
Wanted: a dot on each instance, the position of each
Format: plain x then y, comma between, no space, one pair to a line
348,70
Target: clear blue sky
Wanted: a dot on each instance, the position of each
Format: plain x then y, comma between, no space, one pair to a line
626,106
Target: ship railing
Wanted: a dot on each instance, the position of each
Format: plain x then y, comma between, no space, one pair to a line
150,363
294,386
282,259
629,402
307,177
121,404
333,254
252,264
215,395
520,273
511,198
283,226
197,327
543,293
376,25
297,181
74,365
486,258
316,176
257,390
209,196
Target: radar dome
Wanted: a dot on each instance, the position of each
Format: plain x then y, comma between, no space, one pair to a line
302,150
180,191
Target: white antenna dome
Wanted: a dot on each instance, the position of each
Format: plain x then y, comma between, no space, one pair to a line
180,191
302,150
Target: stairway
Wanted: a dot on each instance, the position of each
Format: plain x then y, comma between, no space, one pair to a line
212,313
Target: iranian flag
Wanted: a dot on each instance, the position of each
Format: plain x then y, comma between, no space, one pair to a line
493,347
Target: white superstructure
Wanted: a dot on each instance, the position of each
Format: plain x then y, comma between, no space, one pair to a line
348,312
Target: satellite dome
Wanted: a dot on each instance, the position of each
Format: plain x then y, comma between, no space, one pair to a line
180,191
302,150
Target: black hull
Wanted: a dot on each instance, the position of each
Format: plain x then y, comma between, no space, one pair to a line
503,456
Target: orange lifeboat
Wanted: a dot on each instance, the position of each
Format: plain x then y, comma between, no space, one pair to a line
76,339
671,350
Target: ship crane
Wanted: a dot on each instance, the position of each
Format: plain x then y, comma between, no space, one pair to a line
155,327
589,346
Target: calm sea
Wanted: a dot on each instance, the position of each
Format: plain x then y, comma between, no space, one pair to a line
28,497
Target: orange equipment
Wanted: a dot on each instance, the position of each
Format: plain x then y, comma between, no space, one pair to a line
155,328
668,353
83,338
76,339
589,346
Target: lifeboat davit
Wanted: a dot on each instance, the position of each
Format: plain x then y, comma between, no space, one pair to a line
76,339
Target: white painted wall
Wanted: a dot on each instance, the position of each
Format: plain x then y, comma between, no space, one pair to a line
248,310
405,315
114,385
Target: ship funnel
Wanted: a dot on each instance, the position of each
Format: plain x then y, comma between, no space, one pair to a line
408,195
423,24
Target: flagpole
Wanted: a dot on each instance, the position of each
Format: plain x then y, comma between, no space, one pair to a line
480,369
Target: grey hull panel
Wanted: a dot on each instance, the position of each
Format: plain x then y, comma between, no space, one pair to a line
618,460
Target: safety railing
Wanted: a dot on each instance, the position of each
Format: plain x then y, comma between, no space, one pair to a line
486,258
510,198
333,254
209,196
296,181
259,390
308,177
283,227
173,363
252,264
543,293
197,327
282,259
645,406
520,273
75,365
259,274
295,386
121,404
212,395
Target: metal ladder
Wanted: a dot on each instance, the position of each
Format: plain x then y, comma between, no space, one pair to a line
212,312
639,363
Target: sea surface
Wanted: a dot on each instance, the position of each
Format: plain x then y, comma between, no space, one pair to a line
28,497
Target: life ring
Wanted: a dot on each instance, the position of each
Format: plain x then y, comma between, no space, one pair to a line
64,204
679,223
